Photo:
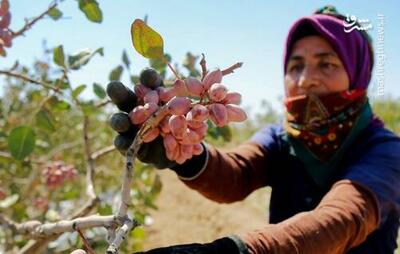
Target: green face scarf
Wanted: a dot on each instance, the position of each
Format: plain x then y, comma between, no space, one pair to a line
319,129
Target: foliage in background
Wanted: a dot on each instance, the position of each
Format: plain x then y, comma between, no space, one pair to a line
42,120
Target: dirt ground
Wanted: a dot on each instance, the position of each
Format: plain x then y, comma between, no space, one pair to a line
184,216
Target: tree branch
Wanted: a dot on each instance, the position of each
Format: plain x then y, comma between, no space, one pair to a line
30,80
90,163
102,103
85,241
8,223
36,229
28,25
120,236
102,152
119,225
38,246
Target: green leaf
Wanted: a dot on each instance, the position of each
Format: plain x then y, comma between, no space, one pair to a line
71,193
78,90
138,233
216,132
157,185
146,41
81,58
104,209
125,59
54,13
44,120
225,132
149,202
99,91
9,201
88,107
139,216
56,104
116,73
21,142
61,105
61,84
91,10
58,56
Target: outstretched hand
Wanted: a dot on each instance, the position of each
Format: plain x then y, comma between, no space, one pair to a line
194,248
126,100
231,244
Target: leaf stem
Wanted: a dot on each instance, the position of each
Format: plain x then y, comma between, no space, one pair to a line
171,68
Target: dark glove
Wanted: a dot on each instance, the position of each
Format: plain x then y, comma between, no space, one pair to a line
226,245
126,100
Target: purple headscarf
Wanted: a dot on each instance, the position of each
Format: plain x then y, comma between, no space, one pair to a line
352,48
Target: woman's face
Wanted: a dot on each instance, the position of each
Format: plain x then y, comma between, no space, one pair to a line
314,68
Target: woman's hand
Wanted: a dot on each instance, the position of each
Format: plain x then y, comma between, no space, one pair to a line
125,99
231,245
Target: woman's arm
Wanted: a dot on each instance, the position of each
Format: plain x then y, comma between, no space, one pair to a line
226,176
344,218
229,176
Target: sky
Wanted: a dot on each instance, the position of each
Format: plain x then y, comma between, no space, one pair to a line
226,31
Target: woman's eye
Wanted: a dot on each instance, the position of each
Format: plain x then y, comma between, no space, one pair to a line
328,66
296,68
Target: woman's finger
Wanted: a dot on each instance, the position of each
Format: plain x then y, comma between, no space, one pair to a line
123,97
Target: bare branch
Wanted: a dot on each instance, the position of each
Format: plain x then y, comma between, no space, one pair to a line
37,229
126,185
102,152
90,204
120,236
102,103
232,68
85,241
90,163
51,231
32,21
30,80
8,223
37,246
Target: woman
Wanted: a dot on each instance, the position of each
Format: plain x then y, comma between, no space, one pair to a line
333,167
